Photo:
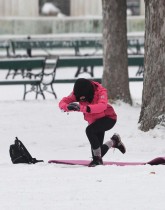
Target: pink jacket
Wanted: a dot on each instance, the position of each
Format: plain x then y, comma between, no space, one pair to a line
99,107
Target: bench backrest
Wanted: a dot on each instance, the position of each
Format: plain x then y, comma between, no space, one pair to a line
65,43
62,43
22,63
79,61
136,60
86,61
43,44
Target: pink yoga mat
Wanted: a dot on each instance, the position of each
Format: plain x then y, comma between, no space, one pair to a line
86,162
155,161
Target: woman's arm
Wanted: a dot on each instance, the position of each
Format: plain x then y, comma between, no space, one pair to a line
63,104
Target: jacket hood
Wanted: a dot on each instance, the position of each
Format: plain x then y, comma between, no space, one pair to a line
83,87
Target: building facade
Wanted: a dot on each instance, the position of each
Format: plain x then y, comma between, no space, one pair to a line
19,8
31,8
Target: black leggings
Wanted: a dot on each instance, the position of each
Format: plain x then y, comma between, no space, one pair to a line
96,131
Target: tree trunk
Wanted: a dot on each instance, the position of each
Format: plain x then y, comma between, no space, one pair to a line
153,99
115,75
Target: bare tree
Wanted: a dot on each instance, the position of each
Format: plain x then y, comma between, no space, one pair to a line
153,99
115,75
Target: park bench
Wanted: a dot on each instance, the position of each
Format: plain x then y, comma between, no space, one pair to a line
37,80
35,70
53,47
86,64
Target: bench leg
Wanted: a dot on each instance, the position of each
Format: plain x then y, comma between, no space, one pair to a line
46,89
92,72
40,92
11,72
15,73
8,73
85,70
37,91
24,96
78,72
53,91
140,71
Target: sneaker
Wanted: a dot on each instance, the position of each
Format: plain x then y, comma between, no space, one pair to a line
97,160
117,143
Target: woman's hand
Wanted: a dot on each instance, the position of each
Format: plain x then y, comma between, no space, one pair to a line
73,107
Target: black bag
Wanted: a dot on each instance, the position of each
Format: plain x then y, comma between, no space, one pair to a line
19,153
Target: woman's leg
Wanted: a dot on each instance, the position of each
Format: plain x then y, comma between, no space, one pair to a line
95,132
100,137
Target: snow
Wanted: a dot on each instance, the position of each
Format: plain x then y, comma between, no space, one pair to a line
49,8
49,133
130,35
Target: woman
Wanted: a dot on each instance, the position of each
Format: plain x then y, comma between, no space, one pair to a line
100,115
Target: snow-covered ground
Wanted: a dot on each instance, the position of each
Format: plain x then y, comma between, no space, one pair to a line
50,134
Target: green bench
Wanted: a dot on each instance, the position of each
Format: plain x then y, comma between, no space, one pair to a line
35,68
49,46
87,63
31,45
39,85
